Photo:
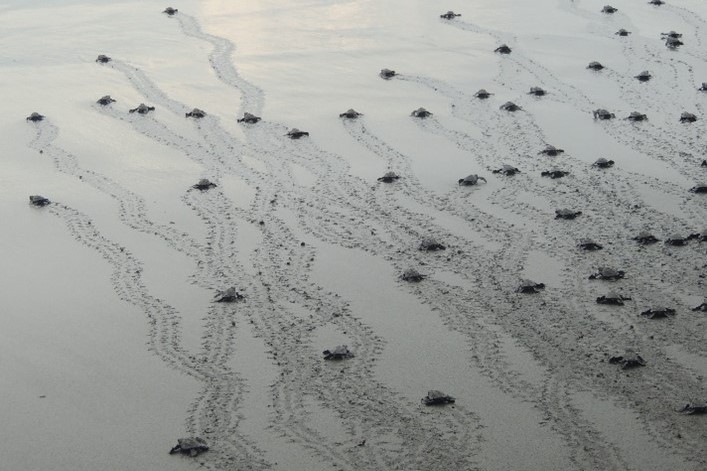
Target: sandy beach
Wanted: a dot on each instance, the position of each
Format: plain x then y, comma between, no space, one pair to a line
113,345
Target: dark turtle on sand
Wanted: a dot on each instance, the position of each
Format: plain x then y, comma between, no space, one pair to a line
350,114
703,87
204,184
421,113
700,188
103,59
412,275
700,236
529,287
609,9
506,170
701,308
673,43
471,180
170,11
694,408
671,34
643,76
295,133
594,65
248,118
630,359
389,177
636,116
437,398
105,100
613,299
431,245
387,73
601,113
482,94
645,238
658,312
622,32
34,117
554,173
589,244
142,108
686,117
228,296
656,2
37,200
195,113
677,240
192,446
537,91
603,163
340,352
565,213
704,163
551,151
606,273
449,15
503,49
510,106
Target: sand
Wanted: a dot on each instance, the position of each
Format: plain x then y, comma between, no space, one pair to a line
112,346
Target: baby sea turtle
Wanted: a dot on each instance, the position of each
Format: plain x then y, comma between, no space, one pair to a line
603,163
340,352
686,117
228,296
636,116
435,398
471,180
482,94
387,74
645,238
105,100
37,200
609,9
551,151
613,299
694,408
412,275
554,173
420,113
248,118
656,2
671,34
704,163
643,76
677,240
389,177
673,43
142,108
537,91
601,113
295,133
594,65
506,170
703,87
350,114
204,184
103,59
700,236
449,15
700,188
170,11
34,117
701,308
529,287
503,49
192,446
510,106
195,113
658,312
431,245
622,32
606,273
589,244
565,213
630,359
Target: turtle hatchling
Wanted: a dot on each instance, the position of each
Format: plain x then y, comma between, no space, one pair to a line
502,49
701,308
676,240
471,180
34,117
703,87
248,118
192,446
630,359
609,9
420,113
412,275
700,236
704,163
594,65
694,408
656,2
606,273
589,244
389,177
529,287
449,15
103,59
295,133
565,213
602,114
643,76
37,200
431,245
658,312
551,151
436,398
537,91
506,170
142,108
673,43
622,32
671,34
204,184
603,163
105,100
636,116
228,296
195,113
686,117
554,173
482,94
170,11
612,299
646,238
340,352
387,74
510,106
700,188
350,114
